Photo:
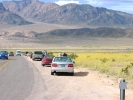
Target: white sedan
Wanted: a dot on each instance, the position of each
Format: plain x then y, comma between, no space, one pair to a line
62,64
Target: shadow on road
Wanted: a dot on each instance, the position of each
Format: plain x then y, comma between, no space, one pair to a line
81,73
75,74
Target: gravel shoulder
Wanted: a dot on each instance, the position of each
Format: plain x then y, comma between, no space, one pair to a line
84,85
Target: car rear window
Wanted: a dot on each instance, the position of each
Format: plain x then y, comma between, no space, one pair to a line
38,52
62,59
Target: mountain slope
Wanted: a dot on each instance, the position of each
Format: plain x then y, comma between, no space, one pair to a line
2,8
85,14
70,14
14,19
7,17
84,33
29,8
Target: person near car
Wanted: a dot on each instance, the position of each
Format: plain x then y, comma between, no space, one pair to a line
64,54
44,53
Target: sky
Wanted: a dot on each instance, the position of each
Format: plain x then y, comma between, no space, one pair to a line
119,5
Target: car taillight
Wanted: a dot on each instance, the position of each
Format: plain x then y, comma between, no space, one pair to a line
54,65
70,65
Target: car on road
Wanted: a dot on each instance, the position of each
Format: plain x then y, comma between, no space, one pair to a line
3,55
62,64
11,54
47,60
37,55
18,53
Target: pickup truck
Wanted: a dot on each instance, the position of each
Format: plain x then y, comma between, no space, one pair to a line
37,55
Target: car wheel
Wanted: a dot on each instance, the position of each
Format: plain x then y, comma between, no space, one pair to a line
43,65
72,74
52,73
33,59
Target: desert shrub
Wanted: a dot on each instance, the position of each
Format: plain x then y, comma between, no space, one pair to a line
126,70
50,53
104,60
73,56
113,60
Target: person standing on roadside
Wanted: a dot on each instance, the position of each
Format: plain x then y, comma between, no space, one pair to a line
45,53
64,54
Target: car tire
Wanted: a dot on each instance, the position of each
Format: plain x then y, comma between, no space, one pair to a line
52,73
43,65
72,74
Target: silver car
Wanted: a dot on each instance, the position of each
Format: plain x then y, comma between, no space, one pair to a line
62,64
37,55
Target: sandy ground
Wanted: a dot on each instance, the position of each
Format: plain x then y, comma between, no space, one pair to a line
84,85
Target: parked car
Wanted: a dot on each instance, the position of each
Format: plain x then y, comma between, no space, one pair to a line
28,54
3,55
11,54
62,64
47,60
37,55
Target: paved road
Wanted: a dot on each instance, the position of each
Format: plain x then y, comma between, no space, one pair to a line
3,62
16,79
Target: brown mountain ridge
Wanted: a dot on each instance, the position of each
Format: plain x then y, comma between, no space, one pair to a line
70,14
7,17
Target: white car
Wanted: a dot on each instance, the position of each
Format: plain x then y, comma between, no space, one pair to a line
62,64
18,52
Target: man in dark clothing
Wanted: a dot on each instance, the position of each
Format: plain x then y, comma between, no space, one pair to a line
64,54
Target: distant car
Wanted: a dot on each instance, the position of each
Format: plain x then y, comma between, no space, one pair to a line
3,55
23,53
47,60
11,54
18,53
62,64
37,55
28,54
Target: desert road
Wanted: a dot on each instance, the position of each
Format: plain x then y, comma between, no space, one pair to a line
24,79
16,79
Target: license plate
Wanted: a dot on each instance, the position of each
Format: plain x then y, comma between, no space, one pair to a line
62,65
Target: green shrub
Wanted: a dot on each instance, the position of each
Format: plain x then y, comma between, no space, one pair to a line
73,56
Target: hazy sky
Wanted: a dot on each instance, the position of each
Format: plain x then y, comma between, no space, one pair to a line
120,5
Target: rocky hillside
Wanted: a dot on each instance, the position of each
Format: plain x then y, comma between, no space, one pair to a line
7,17
74,14
70,14
29,8
2,8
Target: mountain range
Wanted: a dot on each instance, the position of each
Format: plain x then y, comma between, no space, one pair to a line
7,17
70,14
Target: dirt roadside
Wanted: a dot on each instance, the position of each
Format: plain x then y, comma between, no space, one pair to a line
84,85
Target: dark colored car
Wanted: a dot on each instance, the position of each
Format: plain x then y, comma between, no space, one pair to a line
47,60
3,55
11,54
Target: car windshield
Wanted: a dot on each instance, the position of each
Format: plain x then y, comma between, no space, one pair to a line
38,52
62,59
18,51
3,52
